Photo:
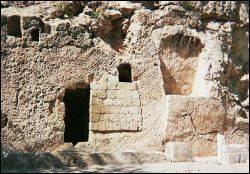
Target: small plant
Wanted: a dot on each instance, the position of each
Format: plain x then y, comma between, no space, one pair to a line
189,8
66,8
94,15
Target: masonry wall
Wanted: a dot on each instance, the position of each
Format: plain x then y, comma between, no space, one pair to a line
115,106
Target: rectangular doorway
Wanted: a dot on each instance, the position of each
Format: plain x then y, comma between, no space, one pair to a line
76,115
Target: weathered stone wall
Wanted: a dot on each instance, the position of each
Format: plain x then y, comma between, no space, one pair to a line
115,106
196,49
195,121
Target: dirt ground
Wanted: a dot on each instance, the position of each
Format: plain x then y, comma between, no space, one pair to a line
201,165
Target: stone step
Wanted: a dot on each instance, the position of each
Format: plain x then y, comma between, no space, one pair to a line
74,158
29,160
82,159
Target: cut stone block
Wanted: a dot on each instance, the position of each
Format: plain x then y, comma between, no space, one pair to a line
95,117
234,153
94,85
109,126
127,94
139,127
112,85
101,94
229,158
108,109
115,109
235,148
117,102
133,126
137,117
93,93
135,102
126,102
117,126
112,117
179,152
135,95
124,110
126,125
120,94
125,85
108,102
96,101
103,85
103,109
231,153
113,79
101,126
110,93
134,110
93,126
93,109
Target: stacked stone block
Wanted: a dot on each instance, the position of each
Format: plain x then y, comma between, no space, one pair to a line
231,153
115,106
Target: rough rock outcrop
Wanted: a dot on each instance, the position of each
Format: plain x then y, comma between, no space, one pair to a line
199,50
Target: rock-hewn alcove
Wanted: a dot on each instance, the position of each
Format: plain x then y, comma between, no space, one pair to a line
14,26
124,73
35,34
179,59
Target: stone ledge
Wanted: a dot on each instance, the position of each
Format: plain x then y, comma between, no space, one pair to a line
101,158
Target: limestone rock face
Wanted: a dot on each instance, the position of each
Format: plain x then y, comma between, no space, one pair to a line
189,118
209,116
126,7
153,72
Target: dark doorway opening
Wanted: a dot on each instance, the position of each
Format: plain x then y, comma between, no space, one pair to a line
14,26
76,115
124,73
35,34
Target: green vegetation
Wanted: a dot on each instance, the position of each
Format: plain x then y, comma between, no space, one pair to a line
66,8
94,15
188,8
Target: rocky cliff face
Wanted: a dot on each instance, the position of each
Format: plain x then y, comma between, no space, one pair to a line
189,60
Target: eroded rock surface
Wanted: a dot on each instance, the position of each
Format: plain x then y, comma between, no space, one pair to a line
199,50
